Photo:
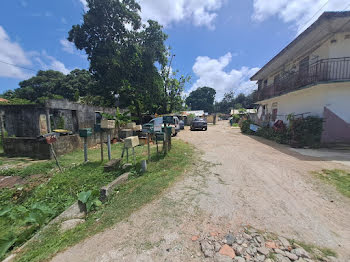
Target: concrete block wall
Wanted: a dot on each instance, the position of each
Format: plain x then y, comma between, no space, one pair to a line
26,147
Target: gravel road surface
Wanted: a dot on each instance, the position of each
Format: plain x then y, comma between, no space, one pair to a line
237,180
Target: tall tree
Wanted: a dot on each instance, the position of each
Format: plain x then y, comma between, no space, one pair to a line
202,99
123,53
174,85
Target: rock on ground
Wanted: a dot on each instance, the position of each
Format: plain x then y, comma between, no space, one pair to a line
70,224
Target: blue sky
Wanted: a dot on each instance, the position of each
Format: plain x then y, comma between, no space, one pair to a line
220,43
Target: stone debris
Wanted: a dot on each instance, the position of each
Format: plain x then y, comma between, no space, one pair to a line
250,246
300,253
194,238
207,248
70,224
230,239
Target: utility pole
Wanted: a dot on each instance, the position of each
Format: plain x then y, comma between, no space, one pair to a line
166,80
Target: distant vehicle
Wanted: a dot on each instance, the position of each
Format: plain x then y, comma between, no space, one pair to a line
175,126
148,127
199,124
182,125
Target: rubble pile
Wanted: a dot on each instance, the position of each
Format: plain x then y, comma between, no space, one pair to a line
250,245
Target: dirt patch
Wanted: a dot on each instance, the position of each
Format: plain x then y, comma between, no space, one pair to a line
30,182
10,181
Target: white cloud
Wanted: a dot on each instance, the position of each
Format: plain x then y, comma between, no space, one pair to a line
11,53
49,62
84,3
301,13
167,12
211,73
67,46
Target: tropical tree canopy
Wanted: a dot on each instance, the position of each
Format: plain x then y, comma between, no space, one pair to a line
123,54
202,99
53,84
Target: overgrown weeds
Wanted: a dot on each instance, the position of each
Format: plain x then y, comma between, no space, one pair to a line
138,191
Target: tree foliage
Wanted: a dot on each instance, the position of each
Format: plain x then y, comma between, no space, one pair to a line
127,64
202,99
123,54
53,84
230,101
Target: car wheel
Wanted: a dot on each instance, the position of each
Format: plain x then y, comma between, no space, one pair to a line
205,128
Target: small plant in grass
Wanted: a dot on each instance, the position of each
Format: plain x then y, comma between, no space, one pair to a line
21,222
89,199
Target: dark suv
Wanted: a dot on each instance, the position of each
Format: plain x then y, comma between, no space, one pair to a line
199,124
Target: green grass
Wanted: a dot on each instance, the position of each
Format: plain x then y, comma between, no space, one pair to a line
62,189
315,251
36,203
235,125
339,178
47,167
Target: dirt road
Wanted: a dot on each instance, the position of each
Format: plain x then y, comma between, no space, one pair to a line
240,180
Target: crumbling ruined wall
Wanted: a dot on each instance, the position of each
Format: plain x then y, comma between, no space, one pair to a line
22,120
26,147
85,113
22,123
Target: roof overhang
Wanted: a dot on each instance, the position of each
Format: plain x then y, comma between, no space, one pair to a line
320,31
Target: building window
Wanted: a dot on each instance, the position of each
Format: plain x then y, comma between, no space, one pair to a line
265,83
304,67
274,112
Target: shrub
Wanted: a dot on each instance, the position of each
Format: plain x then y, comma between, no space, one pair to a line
306,131
235,119
245,126
302,132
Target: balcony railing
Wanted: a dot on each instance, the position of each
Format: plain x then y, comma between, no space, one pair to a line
333,69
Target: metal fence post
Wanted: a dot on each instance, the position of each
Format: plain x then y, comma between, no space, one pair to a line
85,150
109,145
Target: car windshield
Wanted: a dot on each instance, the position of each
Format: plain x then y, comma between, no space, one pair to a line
198,119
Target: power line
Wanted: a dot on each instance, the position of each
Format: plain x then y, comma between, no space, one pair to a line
307,22
17,66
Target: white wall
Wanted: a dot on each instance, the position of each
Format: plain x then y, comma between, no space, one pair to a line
335,96
341,48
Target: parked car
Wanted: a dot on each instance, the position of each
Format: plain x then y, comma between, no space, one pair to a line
199,124
175,126
182,124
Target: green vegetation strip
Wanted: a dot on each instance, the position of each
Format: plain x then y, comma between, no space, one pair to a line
139,190
316,251
339,178
27,208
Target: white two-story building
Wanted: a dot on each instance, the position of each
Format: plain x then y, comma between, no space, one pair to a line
311,77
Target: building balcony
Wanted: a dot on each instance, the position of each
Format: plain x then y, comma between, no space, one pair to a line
324,70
